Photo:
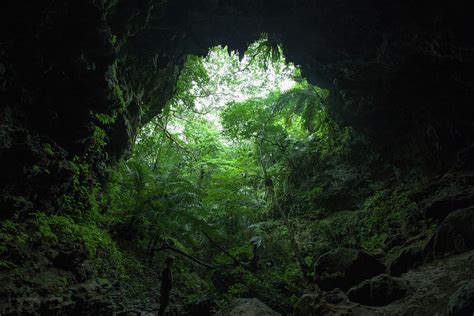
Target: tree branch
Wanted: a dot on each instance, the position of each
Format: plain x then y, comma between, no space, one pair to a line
186,255
236,261
168,135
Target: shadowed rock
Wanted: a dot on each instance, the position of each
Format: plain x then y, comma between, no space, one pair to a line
379,291
331,303
455,234
404,257
462,301
247,307
343,268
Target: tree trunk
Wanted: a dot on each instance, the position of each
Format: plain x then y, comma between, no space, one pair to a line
275,205
291,232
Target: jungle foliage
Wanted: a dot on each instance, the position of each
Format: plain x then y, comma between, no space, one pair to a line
243,176
230,174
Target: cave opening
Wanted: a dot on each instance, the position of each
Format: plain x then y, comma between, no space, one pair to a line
144,172
232,116
209,176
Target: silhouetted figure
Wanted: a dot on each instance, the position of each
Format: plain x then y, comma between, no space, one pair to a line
166,285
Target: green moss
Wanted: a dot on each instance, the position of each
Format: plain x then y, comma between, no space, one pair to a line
81,201
98,244
50,282
115,85
389,213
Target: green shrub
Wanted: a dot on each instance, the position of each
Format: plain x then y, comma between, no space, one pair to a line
11,235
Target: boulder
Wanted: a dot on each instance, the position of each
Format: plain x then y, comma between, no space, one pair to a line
91,296
402,258
247,307
455,234
441,208
202,307
331,303
343,268
49,293
462,301
308,305
379,291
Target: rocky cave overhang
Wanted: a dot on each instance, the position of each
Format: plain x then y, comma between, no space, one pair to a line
399,72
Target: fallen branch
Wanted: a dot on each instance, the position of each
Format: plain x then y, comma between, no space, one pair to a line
224,251
186,255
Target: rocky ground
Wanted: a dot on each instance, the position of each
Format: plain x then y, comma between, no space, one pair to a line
431,286
426,290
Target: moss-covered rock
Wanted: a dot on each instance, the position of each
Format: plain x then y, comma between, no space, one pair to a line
403,257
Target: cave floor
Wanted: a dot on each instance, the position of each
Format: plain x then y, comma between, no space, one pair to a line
432,284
